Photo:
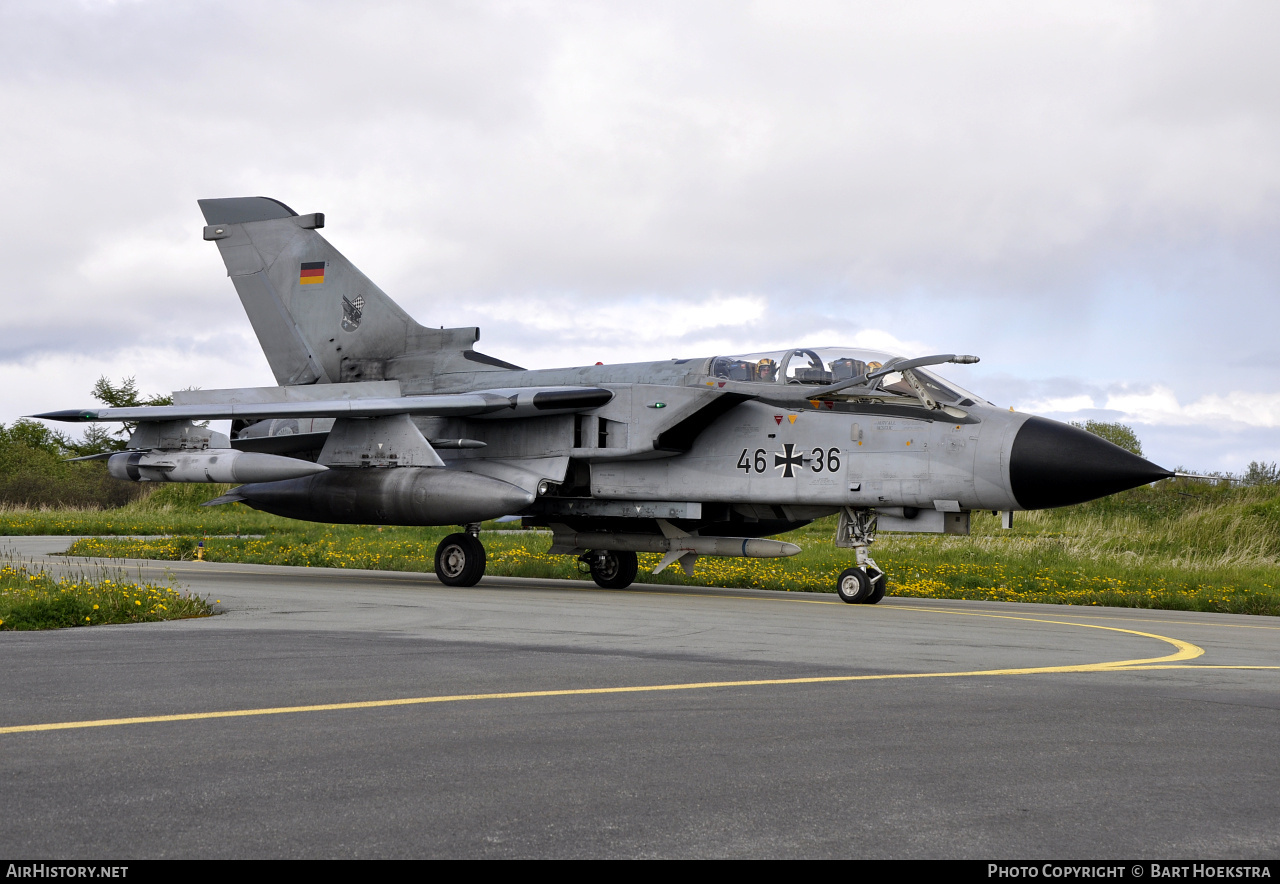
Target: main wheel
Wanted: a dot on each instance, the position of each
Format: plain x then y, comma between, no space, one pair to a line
879,584
614,569
460,560
853,585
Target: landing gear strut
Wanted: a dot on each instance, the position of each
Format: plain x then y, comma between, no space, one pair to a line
460,560
864,583
611,569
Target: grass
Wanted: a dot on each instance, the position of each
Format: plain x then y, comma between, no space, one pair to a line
31,597
171,509
1178,545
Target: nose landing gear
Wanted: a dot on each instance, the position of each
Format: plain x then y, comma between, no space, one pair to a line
864,583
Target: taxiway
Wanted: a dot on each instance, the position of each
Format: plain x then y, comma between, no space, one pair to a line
333,713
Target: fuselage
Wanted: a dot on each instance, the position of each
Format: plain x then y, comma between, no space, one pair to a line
713,431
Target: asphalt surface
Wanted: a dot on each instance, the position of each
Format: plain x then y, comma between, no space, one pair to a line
763,725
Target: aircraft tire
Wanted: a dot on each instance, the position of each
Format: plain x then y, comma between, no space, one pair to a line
853,585
617,571
878,586
460,560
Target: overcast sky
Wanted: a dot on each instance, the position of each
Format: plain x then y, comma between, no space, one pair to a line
1085,195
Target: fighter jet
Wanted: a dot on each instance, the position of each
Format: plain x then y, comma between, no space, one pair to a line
376,419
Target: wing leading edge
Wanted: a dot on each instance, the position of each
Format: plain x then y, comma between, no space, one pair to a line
508,403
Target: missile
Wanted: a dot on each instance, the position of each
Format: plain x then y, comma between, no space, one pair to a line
207,465
750,547
386,496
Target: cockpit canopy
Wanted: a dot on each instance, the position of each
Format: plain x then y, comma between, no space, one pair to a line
822,366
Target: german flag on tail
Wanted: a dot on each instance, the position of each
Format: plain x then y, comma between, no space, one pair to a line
311,273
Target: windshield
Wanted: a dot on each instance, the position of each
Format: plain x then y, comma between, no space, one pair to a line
829,365
945,391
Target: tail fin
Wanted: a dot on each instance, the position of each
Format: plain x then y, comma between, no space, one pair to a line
315,314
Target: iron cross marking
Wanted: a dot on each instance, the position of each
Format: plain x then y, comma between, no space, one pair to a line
788,459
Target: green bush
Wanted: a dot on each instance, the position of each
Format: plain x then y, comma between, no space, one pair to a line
1262,474
34,472
1115,433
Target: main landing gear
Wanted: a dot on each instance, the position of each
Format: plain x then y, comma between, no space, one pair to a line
864,583
460,561
611,569
460,558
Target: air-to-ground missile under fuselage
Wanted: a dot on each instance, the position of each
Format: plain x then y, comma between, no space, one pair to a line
376,419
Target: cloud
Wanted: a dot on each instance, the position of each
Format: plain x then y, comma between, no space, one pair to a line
1061,405
1004,151
546,331
1160,406
1076,190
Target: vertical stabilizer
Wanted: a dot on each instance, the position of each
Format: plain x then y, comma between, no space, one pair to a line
312,310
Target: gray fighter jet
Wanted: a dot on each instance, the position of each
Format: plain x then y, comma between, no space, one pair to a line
376,419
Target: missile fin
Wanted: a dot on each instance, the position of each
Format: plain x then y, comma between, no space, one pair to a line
232,496
671,532
687,561
671,557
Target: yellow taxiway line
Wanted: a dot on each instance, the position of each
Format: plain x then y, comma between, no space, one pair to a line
1183,651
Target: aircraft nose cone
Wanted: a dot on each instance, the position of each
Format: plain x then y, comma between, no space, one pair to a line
1055,464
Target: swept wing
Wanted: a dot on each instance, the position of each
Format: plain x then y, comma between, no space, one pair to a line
503,403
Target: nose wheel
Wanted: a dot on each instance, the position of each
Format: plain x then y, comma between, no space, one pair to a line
859,587
852,585
879,583
460,560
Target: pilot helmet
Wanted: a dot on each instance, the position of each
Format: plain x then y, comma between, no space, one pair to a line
766,368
